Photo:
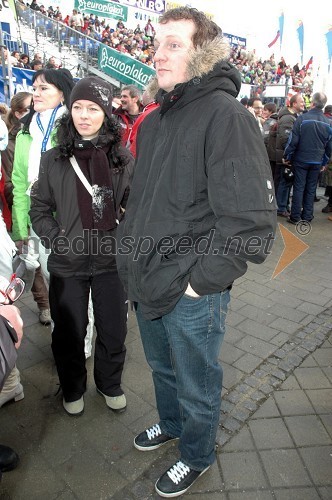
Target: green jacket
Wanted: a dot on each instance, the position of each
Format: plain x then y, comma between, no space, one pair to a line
21,201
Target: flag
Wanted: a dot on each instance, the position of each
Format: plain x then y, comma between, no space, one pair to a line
328,37
281,26
300,35
309,63
275,39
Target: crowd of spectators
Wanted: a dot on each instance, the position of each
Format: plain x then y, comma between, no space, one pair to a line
138,43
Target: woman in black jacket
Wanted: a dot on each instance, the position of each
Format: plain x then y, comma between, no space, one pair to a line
76,205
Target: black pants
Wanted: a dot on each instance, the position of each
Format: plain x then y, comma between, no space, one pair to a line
69,310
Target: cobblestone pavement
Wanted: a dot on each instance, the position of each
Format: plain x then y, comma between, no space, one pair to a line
275,435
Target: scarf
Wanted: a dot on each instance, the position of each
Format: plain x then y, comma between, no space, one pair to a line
98,211
40,129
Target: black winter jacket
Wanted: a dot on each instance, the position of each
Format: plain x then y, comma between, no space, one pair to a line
202,191
56,218
286,120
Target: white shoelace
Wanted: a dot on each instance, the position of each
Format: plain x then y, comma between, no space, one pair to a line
153,431
178,472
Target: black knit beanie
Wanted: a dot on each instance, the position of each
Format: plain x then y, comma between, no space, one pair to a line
93,88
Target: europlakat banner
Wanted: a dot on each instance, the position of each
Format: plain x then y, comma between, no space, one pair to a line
102,8
156,6
125,69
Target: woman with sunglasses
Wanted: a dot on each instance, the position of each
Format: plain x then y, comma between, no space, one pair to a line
51,90
76,205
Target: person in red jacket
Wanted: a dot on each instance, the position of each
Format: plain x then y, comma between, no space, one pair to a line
129,110
149,103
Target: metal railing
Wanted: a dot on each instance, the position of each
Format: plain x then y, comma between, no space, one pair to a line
66,40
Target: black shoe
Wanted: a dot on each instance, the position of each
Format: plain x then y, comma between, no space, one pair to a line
316,198
8,459
151,439
283,214
327,209
292,221
177,480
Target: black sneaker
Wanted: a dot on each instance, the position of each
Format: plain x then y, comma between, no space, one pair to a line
327,209
151,439
177,480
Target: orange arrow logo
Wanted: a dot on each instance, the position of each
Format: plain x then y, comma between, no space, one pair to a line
294,247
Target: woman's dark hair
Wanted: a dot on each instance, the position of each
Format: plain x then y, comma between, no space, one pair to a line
66,135
61,78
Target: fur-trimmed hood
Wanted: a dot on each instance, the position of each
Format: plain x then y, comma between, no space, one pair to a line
208,69
204,58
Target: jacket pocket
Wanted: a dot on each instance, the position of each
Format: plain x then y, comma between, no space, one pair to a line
251,181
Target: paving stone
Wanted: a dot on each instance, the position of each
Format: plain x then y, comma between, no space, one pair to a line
270,433
257,301
323,357
251,405
252,381
293,402
256,329
309,362
231,424
233,397
241,414
244,389
285,469
280,339
267,410
321,399
274,382
311,378
242,471
247,363
222,437
230,353
293,359
257,396
231,376
325,492
318,462
226,406
242,441
297,494
262,317
310,308
259,374
285,325
255,346
250,495
280,353
307,430
234,318
285,366
279,374
266,389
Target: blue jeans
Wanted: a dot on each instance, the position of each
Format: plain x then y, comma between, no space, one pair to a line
304,190
283,192
182,350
